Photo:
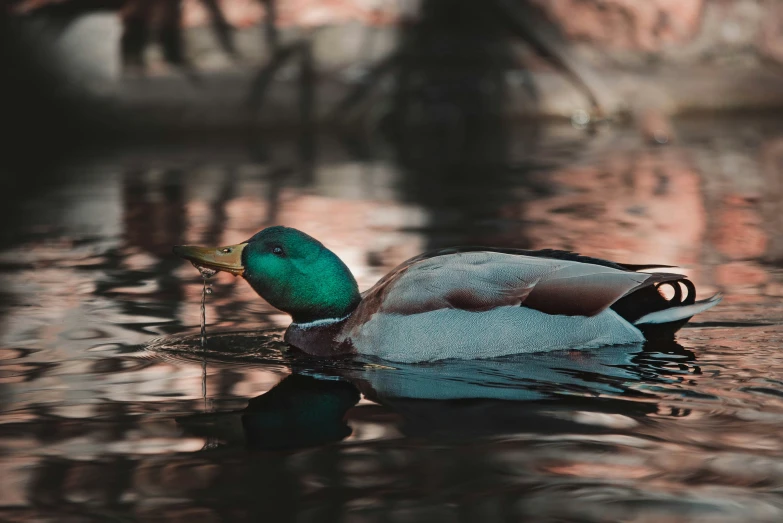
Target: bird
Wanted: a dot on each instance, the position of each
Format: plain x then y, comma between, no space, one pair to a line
455,303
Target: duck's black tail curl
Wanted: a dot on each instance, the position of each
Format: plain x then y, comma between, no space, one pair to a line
658,317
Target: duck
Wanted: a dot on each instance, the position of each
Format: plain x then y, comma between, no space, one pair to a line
455,303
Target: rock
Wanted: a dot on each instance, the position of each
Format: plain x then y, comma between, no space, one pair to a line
629,24
71,47
300,13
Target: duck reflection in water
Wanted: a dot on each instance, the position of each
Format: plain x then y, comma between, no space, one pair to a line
548,393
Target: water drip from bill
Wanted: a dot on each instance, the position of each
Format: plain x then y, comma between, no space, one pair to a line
206,273
206,290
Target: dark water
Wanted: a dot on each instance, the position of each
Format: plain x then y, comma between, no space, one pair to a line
102,416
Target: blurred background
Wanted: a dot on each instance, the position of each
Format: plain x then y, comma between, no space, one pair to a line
529,123
212,64
643,131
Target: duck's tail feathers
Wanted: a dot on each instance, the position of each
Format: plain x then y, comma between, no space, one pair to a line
678,313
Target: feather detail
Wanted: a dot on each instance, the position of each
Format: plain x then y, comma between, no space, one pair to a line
474,280
675,314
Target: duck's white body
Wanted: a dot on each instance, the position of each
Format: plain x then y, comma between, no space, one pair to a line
484,304
454,333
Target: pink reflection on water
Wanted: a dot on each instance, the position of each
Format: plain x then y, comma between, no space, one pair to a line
637,207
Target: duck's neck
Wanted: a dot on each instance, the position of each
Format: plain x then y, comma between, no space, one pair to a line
328,297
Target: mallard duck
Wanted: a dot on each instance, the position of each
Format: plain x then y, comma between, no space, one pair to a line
464,302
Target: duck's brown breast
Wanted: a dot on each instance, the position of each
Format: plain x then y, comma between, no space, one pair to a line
320,338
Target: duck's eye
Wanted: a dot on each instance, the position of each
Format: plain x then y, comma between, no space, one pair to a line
278,251
227,250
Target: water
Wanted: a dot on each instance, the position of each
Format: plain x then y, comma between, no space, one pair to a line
112,409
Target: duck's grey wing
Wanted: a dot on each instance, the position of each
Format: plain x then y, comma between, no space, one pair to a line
478,281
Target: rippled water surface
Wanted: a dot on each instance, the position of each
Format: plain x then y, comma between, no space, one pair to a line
102,416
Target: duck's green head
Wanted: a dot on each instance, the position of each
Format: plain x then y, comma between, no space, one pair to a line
291,270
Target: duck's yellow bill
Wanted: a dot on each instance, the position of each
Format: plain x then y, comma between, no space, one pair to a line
226,259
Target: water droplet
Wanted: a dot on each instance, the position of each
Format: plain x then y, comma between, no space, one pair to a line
206,272
208,290
580,118
661,137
